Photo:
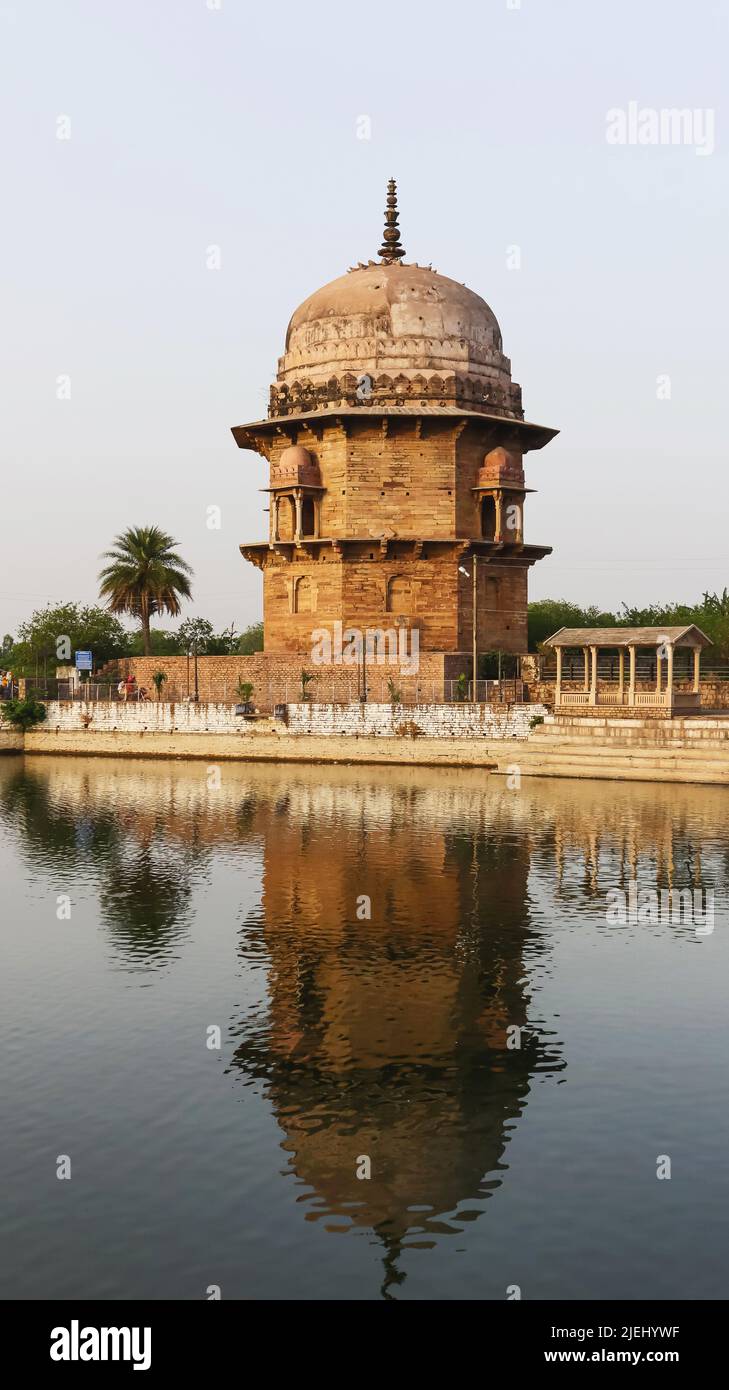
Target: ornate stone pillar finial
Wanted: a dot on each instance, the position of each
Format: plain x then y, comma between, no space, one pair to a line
391,250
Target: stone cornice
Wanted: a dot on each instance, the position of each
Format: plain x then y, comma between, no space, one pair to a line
503,552
260,434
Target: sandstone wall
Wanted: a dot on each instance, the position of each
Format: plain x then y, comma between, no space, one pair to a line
301,748
276,677
398,479
404,481
10,741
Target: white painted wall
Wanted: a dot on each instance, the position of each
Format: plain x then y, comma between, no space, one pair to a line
437,721
140,715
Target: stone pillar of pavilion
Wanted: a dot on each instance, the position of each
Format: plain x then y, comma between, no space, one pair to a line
697,670
631,688
593,681
621,676
669,674
558,686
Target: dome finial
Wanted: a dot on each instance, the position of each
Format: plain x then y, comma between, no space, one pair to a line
391,250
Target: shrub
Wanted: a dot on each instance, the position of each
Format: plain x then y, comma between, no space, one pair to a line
393,692
23,714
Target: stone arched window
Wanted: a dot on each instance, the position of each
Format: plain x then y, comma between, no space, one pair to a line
488,518
304,595
286,514
399,594
308,517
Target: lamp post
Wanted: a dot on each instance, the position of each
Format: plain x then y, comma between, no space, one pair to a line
462,570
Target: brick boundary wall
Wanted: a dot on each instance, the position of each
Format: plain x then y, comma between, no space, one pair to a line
276,678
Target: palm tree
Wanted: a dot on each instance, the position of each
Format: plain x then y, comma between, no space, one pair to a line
146,576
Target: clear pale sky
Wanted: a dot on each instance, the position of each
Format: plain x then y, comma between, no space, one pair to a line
236,127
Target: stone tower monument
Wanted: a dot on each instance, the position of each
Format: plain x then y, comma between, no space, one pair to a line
395,438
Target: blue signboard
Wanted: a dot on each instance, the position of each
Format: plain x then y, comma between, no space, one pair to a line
84,661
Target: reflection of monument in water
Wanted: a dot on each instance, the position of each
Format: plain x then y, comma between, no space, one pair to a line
388,1037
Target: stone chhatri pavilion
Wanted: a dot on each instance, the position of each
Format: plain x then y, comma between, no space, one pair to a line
662,641
395,439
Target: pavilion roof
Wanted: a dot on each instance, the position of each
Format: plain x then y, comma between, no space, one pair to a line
690,636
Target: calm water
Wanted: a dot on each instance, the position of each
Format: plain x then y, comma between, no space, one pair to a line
196,906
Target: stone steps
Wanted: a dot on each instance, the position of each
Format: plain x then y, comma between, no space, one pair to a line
653,734
642,757
617,766
683,743
638,750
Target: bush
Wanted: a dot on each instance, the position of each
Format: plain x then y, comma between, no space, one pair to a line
158,680
462,687
23,714
394,693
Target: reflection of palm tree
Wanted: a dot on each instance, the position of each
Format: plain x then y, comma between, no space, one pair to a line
145,895
143,877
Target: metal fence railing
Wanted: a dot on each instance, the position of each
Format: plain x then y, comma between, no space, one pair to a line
645,669
340,690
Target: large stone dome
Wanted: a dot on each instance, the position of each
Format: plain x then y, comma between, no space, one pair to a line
389,333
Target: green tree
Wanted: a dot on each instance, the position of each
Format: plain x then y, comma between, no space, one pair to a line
161,643
548,615
194,633
711,615
713,618
53,634
223,643
145,576
250,640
